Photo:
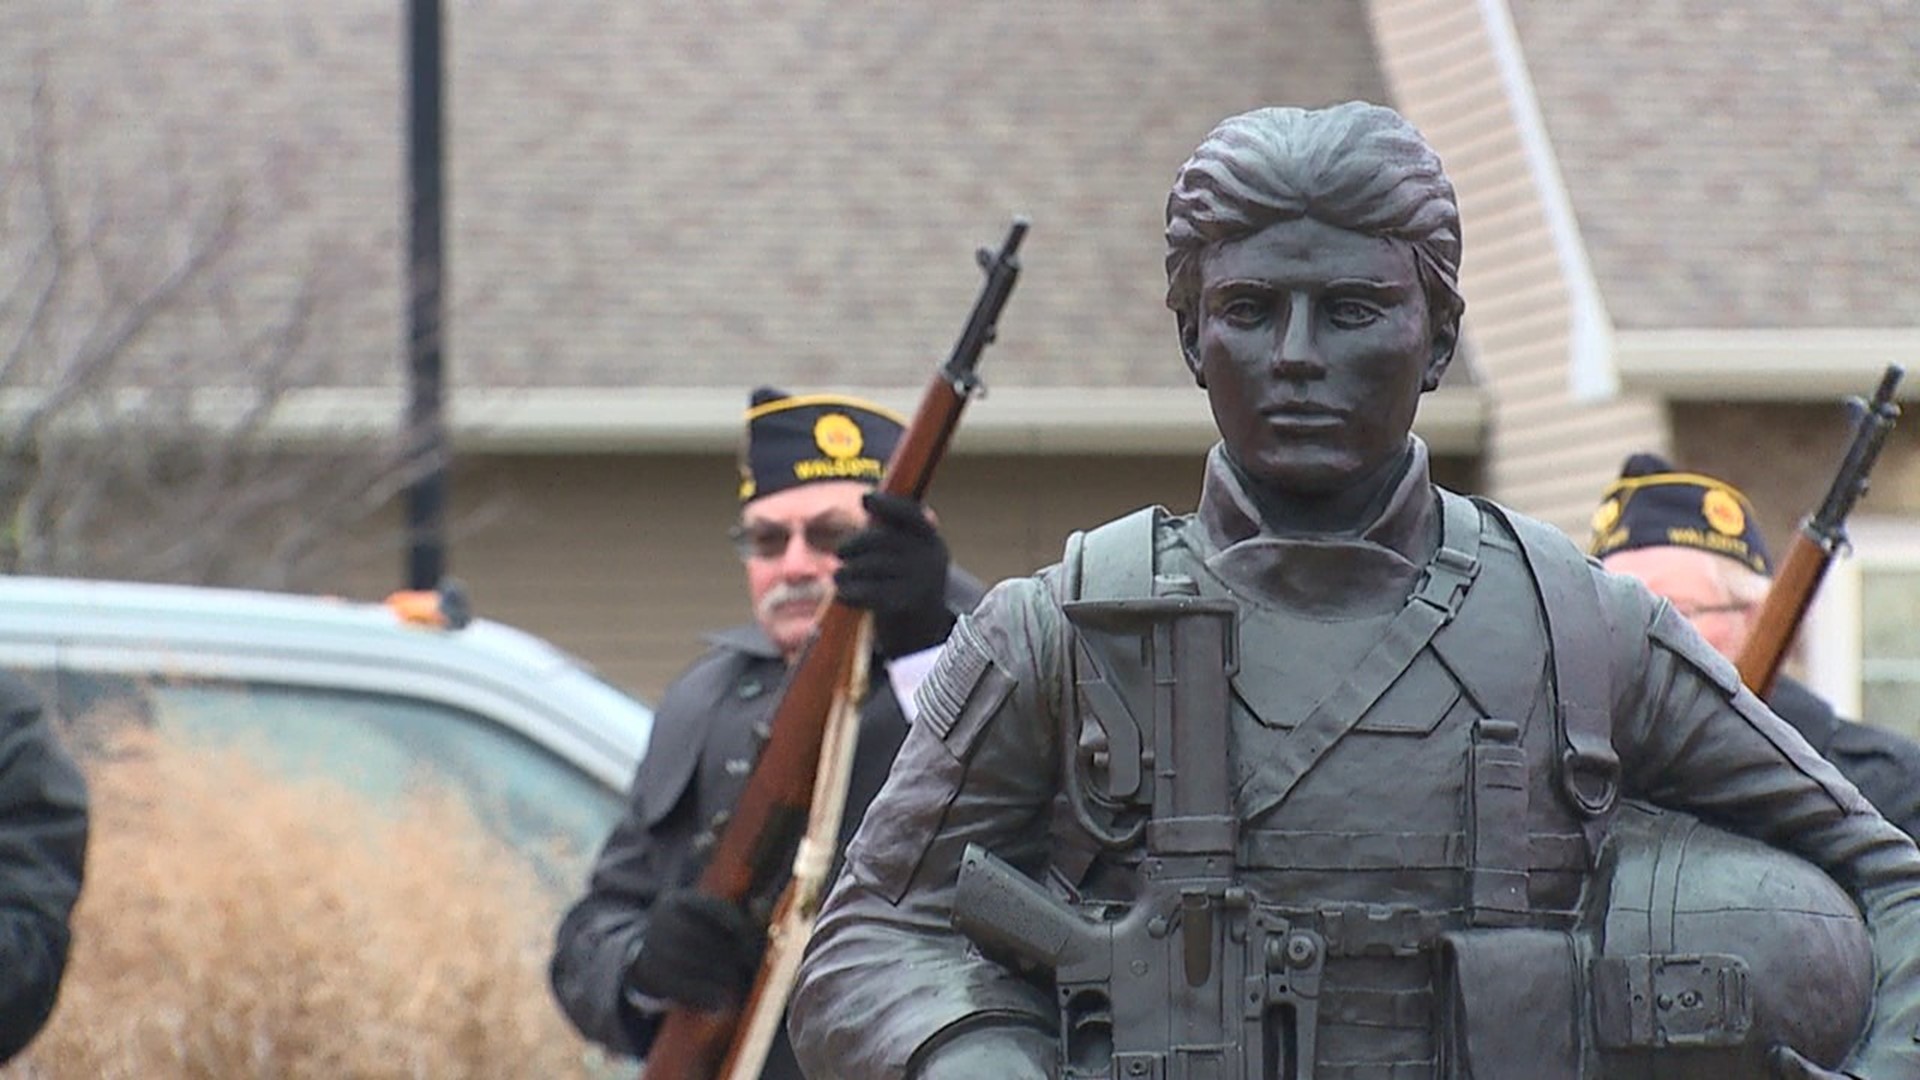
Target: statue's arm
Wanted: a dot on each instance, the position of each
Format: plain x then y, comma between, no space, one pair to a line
1692,738
886,977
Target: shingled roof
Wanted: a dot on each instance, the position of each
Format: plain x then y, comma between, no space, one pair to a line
701,195
1738,165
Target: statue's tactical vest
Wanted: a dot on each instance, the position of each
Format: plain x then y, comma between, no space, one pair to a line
1398,777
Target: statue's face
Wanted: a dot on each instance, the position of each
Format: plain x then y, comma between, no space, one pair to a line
1313,344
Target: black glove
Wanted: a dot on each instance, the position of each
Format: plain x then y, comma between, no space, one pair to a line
698,950
1005,1053
896,568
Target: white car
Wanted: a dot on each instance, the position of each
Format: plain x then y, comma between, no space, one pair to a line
371,694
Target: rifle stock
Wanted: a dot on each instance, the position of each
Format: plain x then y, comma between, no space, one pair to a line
1773,633
757,839
1820,537
792,922
754,846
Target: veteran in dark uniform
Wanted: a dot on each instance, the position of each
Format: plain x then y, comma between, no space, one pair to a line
1424,724
811,526
43,848
1692,540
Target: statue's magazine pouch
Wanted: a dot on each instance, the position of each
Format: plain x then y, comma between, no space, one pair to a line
1509,1005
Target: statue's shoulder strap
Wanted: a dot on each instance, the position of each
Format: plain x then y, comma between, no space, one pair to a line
1580,649
1114,561
1436,598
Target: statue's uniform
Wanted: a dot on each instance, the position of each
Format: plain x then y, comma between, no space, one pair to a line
1371,846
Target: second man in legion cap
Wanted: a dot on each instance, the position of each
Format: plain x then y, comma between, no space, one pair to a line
811,527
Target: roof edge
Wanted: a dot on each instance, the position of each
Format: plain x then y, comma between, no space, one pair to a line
570,420
1802,364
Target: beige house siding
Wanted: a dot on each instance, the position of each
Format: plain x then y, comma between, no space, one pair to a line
1550,446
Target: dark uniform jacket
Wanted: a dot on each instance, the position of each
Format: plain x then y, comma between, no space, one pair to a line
706,737
1369,842
43,845
1884,765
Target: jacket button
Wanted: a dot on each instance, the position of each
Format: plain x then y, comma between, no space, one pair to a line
749,689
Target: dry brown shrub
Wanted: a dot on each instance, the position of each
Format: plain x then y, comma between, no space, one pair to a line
236,924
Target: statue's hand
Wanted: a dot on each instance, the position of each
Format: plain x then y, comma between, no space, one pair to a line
1788,1064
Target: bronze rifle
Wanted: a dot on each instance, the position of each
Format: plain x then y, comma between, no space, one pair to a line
759,845
1821,536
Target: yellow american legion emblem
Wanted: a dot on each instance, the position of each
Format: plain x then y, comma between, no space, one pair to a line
1606,516
838,436
1723,512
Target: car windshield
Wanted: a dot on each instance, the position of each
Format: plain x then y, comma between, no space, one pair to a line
387,746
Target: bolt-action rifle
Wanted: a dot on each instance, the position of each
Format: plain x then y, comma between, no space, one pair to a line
772,852
1820,537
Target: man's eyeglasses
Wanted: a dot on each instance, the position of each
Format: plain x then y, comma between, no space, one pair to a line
770,539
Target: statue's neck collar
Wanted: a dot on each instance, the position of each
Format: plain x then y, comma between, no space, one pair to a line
1329,575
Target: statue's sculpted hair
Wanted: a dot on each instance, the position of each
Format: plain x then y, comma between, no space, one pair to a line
1355,166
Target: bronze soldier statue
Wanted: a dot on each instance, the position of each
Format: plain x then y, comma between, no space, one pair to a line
1344,775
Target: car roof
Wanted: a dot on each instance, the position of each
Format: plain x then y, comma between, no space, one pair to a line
485,666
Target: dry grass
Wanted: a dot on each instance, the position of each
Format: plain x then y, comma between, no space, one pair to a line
236,925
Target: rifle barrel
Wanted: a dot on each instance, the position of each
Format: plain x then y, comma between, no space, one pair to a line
1873,422
1820,537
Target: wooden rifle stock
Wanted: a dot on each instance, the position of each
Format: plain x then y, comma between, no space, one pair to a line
755,846
1788,599
1819,538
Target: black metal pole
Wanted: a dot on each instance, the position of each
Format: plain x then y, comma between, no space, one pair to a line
425,281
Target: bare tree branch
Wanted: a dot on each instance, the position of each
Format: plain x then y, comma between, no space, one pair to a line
146,374
49,256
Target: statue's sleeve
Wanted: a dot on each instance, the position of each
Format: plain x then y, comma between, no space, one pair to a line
1691,737
885,973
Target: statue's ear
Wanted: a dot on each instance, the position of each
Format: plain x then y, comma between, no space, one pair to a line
1446,339
1190,346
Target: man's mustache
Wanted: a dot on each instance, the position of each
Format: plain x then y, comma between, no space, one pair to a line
815,592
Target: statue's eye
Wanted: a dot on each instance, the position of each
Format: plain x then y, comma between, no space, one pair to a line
1243,311
1350,313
